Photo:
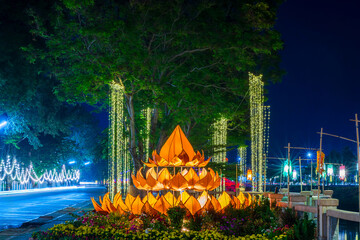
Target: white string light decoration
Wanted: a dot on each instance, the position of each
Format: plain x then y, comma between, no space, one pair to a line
242,162
23,175
116,136
219,140
256,89
266,138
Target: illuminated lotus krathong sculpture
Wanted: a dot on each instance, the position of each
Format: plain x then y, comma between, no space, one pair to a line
187,172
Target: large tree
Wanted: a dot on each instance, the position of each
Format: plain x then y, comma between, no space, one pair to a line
188,61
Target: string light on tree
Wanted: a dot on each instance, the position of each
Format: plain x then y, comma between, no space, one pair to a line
219,139
116,137
266,139
242,151
146,113
257,130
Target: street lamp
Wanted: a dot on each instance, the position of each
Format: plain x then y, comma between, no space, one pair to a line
3,124
71,162
309,155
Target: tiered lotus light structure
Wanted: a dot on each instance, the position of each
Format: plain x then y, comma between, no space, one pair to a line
176,154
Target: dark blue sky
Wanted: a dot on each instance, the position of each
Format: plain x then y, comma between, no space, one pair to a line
320,89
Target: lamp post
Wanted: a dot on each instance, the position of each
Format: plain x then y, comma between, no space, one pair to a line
311,177
2,124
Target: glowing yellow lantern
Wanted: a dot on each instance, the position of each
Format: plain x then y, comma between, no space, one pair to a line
249,175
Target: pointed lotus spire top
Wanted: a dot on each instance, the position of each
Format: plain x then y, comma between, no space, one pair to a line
177,145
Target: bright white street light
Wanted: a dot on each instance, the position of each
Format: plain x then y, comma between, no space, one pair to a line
3,124
309,154
72,162
87,163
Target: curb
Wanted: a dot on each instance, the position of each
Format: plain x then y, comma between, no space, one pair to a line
45,222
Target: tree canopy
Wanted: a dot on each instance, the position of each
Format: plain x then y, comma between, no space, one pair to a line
40,128
187,60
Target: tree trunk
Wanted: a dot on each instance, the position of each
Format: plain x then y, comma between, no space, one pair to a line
154,122
130,107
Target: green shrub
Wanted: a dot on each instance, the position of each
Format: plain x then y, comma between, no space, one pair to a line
304,229
176,215
288,217
195,222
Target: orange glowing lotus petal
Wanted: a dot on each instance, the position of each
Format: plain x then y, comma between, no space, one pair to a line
169,197
176,162
162,163
203,173
141,178
192,205
211,183
202,184
224,200
97,207
192,163
158,187
184,172
249,200
151,172
184,196
148,209
237,203
203,198
104,205
203,164
155,156
241,198
100,200
178,182
120,210
110,206
176,144
191,177
217,181
151,181
137,206
150,199
136,182
178,201
129,201
117,200
212,173
150,165
122,205
162,205
209,206
215,203
164,176
116,197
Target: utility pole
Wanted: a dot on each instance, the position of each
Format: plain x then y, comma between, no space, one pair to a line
288,175
301,183
318,195
311,176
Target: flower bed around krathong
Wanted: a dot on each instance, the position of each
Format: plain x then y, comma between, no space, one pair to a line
257,221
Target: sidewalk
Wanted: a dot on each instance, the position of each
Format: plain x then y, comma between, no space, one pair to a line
45,222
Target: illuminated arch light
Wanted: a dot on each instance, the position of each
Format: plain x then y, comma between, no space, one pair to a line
24,175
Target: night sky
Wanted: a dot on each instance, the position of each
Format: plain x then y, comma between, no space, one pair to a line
320,89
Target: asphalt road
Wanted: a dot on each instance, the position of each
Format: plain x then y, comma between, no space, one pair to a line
20,207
